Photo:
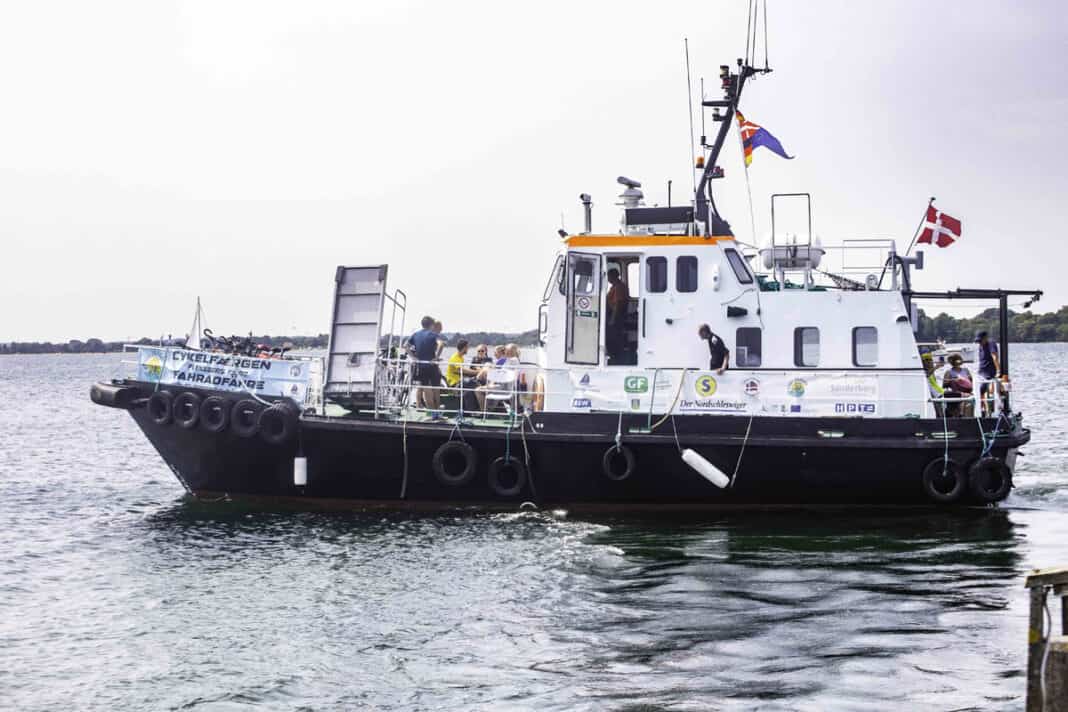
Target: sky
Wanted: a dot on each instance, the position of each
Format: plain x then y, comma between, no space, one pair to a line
151,153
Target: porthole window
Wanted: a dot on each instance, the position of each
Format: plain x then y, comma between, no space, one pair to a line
865,346
686,274
656,274
807,346
747,347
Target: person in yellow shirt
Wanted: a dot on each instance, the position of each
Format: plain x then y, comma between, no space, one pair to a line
456,369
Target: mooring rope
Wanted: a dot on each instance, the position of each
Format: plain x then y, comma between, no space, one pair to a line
678,392
526,455
673,427
738,464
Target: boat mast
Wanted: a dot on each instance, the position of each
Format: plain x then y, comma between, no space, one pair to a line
732,84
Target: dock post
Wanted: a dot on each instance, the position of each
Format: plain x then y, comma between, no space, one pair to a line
1048,692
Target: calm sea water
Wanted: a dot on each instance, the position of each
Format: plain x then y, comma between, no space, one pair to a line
117,593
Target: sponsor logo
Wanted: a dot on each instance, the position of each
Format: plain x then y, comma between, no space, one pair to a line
704,386
153,367
751,387
796,408
854,388
635,404
862,408
581,403
796,388
636,384
712,405
294,371
585,380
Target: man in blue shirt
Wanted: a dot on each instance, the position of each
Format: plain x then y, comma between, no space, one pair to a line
423,346
989,364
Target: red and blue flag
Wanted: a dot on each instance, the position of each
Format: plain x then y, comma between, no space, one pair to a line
754,136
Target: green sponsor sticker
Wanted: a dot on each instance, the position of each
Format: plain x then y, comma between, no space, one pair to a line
636,384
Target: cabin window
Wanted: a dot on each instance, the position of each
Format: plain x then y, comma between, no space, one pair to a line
656,274
633,282
686,274
807,346
865,346
584,282
741,271
747,347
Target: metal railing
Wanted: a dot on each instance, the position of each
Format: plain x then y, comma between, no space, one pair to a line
656,390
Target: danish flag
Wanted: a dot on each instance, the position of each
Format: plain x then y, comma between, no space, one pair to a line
941,230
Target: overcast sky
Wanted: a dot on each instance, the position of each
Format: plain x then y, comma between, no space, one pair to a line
151,152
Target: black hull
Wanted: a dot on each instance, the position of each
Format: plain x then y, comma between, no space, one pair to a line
786,461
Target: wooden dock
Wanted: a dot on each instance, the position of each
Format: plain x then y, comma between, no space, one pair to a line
1047,654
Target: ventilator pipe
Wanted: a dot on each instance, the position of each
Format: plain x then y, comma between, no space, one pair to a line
587,206
705,468
300,471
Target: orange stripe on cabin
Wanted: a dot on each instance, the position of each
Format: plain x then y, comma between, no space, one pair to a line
644,241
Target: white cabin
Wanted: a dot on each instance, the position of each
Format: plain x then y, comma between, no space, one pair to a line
806,350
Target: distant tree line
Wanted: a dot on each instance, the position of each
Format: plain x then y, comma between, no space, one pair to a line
299,343
1023,327
97,346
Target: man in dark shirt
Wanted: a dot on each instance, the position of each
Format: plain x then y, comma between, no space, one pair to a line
719,357
989,364
423,346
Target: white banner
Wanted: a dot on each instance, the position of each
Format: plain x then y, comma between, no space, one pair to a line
223,372
734,392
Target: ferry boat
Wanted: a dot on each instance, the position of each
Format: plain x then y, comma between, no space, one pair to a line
824,398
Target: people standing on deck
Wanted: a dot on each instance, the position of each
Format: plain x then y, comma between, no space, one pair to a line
441,342
719,356
616,306
423,346
957,382
989,366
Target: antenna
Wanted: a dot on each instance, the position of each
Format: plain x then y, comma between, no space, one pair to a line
766,68
689,99
703,134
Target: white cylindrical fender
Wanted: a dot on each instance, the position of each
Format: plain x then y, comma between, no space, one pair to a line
705,468
300,471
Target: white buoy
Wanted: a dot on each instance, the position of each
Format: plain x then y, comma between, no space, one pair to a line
705,468
300,471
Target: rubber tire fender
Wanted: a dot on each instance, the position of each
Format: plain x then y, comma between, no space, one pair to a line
161,407
501,464
187,410
278,424
609,457
215,414
935,469
444,454
245,417
989,480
